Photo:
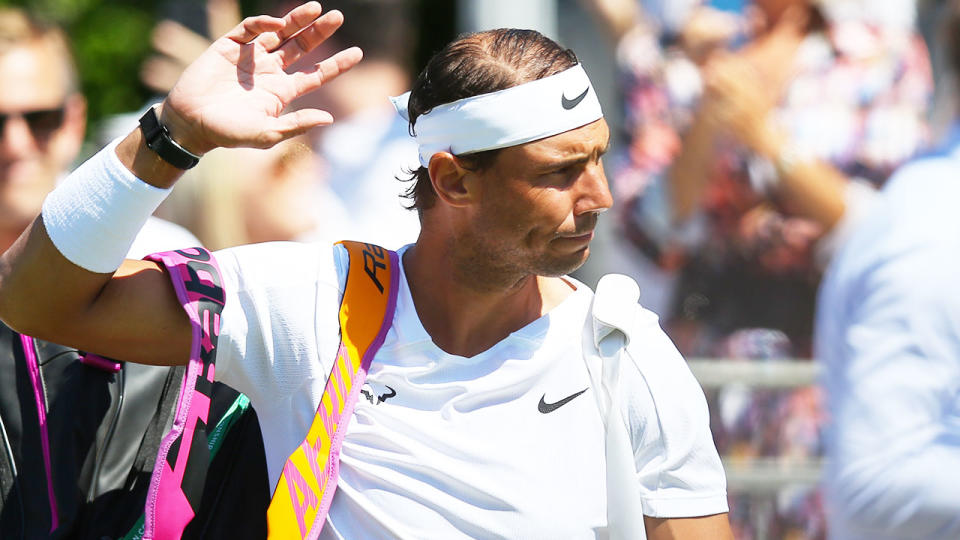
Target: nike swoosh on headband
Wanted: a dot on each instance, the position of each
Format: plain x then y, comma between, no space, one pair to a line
516,115
571,103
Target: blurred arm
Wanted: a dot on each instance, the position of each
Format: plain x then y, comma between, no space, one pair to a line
617,16
715,527
690,171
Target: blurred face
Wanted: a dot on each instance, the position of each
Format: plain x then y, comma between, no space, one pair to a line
540,202
42,129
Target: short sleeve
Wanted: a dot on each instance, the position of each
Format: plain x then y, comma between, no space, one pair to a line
677,465
272,332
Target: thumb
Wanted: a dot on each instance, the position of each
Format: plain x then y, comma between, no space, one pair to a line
295,123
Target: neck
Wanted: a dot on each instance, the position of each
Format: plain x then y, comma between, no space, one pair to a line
467,311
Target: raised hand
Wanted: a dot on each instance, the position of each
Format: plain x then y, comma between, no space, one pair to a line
235,93
737,100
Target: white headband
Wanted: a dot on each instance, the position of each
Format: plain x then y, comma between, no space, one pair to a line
516,115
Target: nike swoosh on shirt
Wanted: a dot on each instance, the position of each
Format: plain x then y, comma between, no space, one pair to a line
545,407
571,103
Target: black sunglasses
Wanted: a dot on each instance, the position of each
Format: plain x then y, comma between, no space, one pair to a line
42,122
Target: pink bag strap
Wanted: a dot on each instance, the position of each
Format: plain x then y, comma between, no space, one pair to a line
39,395
199,288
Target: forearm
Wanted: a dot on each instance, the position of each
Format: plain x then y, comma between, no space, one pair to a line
805,187
617,16
715,527
54,276
689,174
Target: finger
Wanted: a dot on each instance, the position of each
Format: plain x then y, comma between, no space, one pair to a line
311,37
251,27
160,73
292,124
222,15
296,20
326,71
177,41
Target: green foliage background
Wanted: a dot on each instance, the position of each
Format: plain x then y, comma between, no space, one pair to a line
111,39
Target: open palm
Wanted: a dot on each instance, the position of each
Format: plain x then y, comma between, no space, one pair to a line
235,93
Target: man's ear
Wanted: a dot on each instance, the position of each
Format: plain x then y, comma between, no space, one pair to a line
69,138
453,184
75,116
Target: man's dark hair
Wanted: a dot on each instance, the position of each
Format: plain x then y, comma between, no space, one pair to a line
475,64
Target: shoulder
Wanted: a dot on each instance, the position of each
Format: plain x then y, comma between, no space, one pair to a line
915,218
927,180
902,256
651,360
278,265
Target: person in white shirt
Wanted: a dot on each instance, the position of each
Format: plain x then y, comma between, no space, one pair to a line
42,121
473,426
888,336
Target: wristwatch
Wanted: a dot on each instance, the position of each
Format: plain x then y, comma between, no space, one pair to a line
158,139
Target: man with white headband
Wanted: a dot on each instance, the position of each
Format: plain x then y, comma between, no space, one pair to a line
485,416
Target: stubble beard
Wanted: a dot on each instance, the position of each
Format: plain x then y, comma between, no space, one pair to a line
485,266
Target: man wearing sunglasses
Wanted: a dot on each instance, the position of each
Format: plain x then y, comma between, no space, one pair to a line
42,122
42,119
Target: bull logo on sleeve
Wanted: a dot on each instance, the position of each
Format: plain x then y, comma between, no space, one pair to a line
377,393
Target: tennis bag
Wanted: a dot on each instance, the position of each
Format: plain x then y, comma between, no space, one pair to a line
306,486
79,437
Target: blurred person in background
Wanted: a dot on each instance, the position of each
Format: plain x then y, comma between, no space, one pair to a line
888,334
42,122
742,163
369,146
237,196
756,139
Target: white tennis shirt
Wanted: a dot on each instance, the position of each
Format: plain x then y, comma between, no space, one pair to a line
453,447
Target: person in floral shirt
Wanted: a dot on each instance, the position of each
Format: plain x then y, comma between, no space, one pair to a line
744,167
753,146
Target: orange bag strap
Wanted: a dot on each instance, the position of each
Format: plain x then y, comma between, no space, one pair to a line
302,497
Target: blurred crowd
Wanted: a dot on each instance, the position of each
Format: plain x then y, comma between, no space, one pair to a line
757,135
754,136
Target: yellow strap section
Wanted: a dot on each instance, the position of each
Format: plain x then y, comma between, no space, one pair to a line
296,498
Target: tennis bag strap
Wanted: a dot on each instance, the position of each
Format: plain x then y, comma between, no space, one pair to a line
199,288
309,479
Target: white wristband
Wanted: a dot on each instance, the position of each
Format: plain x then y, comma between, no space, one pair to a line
93,216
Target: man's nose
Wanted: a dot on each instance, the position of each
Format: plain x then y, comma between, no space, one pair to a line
595,193
16,139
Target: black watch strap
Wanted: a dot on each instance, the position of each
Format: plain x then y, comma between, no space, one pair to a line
158,139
